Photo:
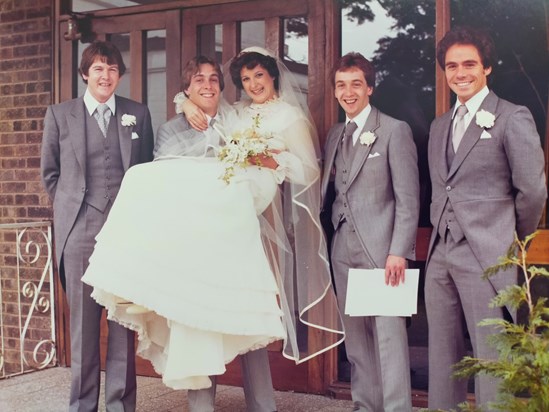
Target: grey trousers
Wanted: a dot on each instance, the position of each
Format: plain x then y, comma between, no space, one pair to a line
377,346
85,316
454,290
258,386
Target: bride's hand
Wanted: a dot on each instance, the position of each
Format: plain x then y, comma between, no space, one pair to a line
194,115
264,160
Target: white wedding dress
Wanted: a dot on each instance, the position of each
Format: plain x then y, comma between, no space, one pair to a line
183,243
219,281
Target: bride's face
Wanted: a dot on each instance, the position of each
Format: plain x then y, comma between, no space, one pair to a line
258,84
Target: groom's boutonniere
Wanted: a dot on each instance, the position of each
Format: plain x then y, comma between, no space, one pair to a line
128,120
485,119
367,138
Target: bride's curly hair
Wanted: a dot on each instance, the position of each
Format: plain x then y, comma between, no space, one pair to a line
251,60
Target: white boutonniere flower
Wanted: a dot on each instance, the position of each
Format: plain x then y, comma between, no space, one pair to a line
128,120
367,138
485,119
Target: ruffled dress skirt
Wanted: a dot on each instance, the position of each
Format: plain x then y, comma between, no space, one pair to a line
186,245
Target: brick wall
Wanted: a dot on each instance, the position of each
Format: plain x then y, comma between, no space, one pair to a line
25,91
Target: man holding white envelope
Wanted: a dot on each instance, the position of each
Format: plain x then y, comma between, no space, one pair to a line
371,161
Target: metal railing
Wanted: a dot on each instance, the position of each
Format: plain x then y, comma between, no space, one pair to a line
27,321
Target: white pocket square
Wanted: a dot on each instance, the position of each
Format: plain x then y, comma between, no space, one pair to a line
376,154
485,135
135,136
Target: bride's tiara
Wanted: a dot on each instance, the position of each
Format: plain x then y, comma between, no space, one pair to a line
257,49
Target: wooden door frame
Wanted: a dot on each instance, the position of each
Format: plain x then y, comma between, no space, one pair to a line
65,88
319,373
324,49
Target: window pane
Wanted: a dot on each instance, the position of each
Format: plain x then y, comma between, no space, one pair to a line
296,52
399,39
156,76
87,5
296,40
252,33
210,41
122,41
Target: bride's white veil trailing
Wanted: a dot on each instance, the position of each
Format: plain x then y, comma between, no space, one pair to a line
292,234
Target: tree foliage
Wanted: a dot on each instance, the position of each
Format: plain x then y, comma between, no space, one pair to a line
523,363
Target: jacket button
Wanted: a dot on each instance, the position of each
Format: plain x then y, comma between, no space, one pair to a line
448,188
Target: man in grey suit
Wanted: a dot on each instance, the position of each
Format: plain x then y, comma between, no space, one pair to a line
88,144
372,162
202,83
487,171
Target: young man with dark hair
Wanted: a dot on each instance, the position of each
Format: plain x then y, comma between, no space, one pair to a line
487,172
88,144
372,161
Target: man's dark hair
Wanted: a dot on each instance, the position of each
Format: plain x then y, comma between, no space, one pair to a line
250,60
468,36
106,51
351,60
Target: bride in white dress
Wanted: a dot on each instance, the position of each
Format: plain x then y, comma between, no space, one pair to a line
222,268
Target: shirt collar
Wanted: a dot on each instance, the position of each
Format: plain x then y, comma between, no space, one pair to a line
473,103
91,103
360,119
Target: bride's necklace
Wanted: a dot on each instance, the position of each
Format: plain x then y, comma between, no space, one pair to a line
265,105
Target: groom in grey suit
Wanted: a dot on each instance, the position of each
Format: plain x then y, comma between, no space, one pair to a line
487,171
88,144
371,162
202,83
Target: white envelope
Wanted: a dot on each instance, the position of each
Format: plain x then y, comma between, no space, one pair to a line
485,135
376,154
368,295
135,136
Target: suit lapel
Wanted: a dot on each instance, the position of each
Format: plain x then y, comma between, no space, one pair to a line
361,150
472,134
334,140
76,122
445,125
124,132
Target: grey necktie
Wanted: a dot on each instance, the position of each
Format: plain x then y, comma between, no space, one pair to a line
347,144
459,128
103,115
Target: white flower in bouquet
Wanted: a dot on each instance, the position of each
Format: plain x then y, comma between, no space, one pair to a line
242,145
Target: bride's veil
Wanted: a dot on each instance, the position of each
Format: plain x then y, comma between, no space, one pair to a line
293,237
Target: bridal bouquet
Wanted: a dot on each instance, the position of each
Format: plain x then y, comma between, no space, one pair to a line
242,145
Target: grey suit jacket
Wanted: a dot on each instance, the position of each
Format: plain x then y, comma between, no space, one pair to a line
496,184
171,137
383,194
63,160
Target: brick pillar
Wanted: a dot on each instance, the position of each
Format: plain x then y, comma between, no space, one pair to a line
25,91
26,52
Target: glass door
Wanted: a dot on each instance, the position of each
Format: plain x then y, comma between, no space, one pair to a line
295,32
150,46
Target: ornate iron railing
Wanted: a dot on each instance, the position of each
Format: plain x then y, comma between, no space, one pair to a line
27,321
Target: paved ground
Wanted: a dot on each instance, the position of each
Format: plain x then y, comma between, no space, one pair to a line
48,391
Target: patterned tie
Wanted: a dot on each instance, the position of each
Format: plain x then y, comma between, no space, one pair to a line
459,129
347,144
103,115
